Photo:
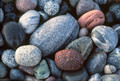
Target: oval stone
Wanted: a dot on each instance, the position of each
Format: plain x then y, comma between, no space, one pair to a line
52,35
69,60
28,55
105,38
29,21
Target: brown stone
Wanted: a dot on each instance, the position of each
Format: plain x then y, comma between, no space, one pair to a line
69,60
91,19
51,78
117,0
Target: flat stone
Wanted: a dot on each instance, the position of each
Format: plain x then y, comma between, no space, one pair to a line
28,55
8,58
95,77
29,21
96,62
105,38
112,77
52,35
53,68
1,15
80,75
3,70
42,70
83,45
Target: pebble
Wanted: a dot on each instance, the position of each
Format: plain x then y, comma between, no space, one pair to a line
117,72
112,77
95,77
84,6
101,2
42,70
28,55
30,21
8,58
7,1
52,35
51,78
43,15
116,27
59,79
13,39
109,69
109,18
73,3
1,15
3,70
26,5
105,38
117,0
31,78
1,40
80,75
114,58
69,60
91,19
97,7
83,45
28,70
83,32
41,3
9,7
51,8
16,74
96,62
53,68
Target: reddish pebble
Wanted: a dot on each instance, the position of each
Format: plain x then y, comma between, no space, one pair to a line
69,60
51,78
117,0
91,19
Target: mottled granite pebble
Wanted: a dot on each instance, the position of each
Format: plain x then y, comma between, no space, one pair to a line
3,70
8,58
96,62
95,77
42,70
105,38
83,45
1,15
112,77
28,55
109,69
29,21
9,7
52,35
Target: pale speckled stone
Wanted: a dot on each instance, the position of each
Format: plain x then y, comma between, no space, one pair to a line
29,21
95,77
8,58
109,69
51,8
1,15
112,77
83,45
105,38
55,34
28,55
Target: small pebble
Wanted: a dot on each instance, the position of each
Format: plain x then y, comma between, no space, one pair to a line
44,15
1,15
8,58
109,69
83,32
95,77
3,70
73,3
116,27
25,5
51,78
17,75
28,55
112,77
101,2
9,7
1,40
51,8
109,18
69,60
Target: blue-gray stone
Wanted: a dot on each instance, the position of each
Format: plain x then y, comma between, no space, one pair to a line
55,34
53,68
73,3
117,29
1,15
8,58
112,77
3,70
105,38
114,58
109,69
43,15
17,75
118,72
95,77
97,7
96,62
101,2
1,40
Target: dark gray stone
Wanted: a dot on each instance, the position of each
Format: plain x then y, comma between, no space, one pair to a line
59,79
1,40
114,58
109,69
73,3
83,45
96,62
118,72
3,70
95,77
17,75
105,38
55,34
112,77
97,7
8,58
44,15
80,75
53,68
101,2
117,29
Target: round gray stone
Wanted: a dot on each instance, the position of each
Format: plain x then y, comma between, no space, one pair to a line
83,32
51,8
29,21
95,77
1,15
109,69
96,62
8,58
112,77
105,38
28,55
3,70
83,45
55,34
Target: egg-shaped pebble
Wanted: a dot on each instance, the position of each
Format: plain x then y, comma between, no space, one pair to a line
83,32
109,69
51,8
1,15
8,58
105,38
25,5
28,55
29,21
